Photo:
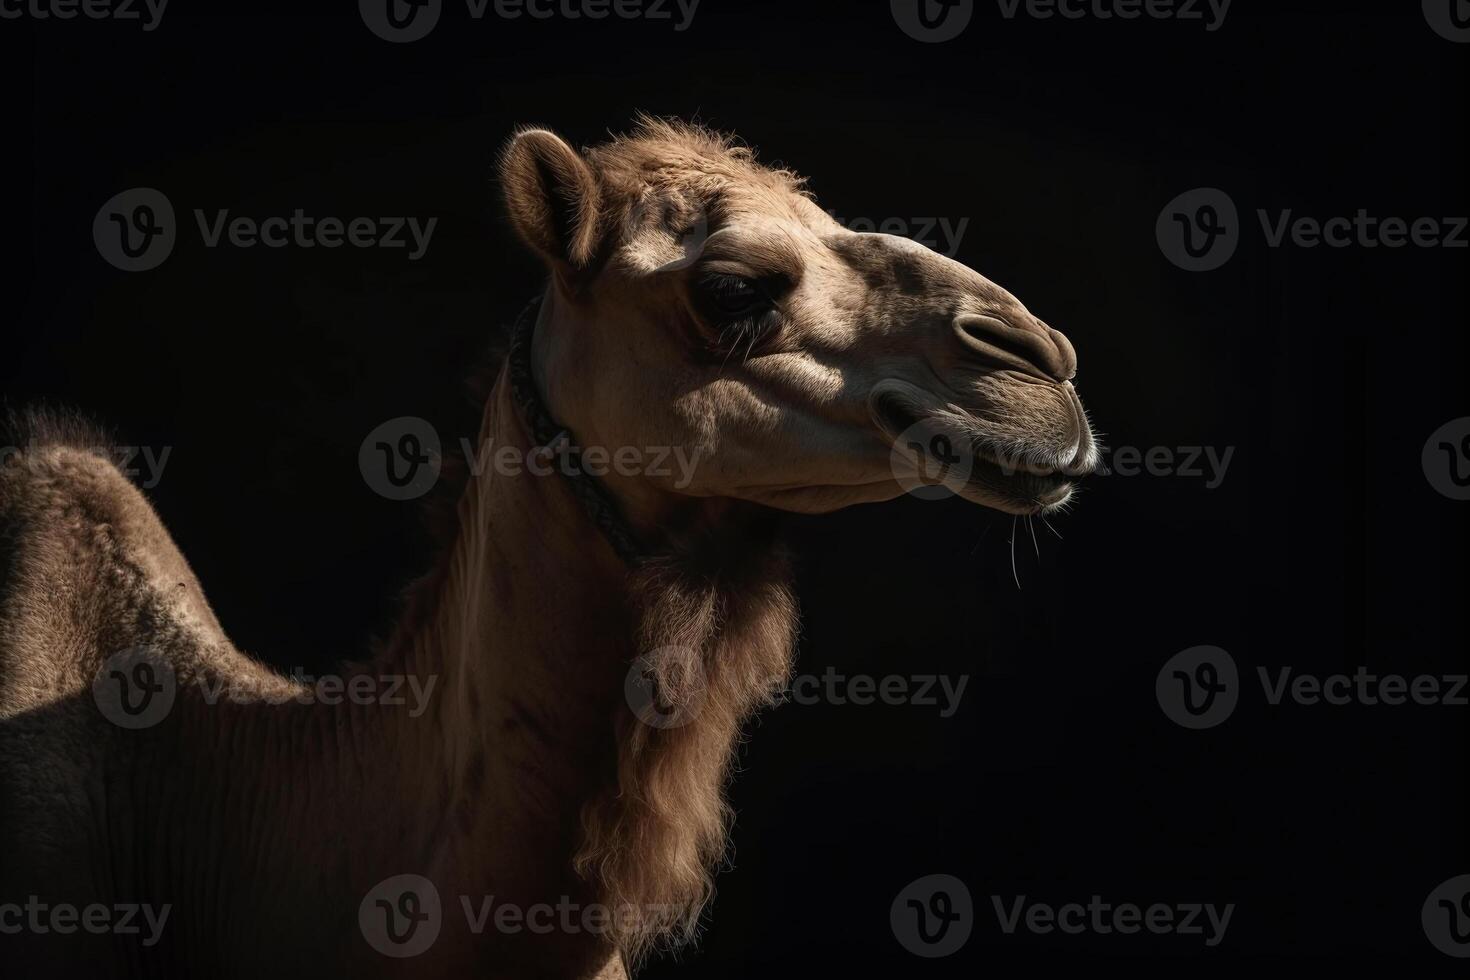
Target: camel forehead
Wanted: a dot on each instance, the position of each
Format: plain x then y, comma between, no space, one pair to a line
667,153
685,172
672,179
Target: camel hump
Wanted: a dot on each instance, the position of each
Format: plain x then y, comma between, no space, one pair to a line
86,567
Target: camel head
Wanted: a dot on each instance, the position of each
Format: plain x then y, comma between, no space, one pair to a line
703,301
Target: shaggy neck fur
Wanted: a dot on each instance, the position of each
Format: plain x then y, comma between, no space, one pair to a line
533,624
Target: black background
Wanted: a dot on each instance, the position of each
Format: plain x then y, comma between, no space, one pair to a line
1324,548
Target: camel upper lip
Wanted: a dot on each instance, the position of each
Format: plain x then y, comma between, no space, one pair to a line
1011,463
1030,476
896,415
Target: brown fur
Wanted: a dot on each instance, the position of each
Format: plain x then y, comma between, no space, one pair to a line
720,649
529,776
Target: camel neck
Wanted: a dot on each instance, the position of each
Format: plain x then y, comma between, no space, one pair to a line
529,627
531,630
558,442
557,788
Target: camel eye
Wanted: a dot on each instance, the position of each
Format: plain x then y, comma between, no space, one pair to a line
734,297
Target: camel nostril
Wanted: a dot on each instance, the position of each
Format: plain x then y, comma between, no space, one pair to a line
1029,350
1067,370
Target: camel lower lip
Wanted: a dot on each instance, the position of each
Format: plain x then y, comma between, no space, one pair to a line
1022,486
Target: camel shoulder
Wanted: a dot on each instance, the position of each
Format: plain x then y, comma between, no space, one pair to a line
86,566
60,489
56,461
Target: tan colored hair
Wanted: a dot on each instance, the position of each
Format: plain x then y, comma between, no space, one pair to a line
718,647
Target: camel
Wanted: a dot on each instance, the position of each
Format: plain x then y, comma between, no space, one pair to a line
532,819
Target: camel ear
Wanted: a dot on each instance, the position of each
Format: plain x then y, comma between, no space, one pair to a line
553,198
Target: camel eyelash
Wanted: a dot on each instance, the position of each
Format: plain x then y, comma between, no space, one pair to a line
747,335
740,313
727,287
